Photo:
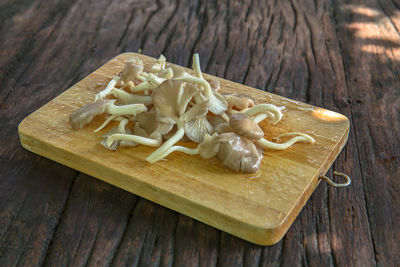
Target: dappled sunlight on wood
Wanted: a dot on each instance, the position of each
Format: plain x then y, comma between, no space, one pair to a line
377,31
327,115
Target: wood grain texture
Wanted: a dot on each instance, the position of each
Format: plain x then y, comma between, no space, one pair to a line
311,51
257,207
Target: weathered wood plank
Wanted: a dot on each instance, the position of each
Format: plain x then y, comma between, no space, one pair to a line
97,213
285,47
369,37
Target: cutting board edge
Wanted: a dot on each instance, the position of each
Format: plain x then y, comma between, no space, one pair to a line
253,233
312,186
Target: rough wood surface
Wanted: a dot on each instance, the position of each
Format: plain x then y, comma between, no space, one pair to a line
341,55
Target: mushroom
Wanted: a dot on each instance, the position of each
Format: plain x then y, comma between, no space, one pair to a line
233,151
85,114
243,125
216,101
120,129
166,73
133,68
177,71
148,131
207,149
178,108
159,65
239,101
127,98
151,122
300,137
276,114
270,109
239,153
171,99
214,83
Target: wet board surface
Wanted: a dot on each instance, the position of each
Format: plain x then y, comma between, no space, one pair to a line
256,207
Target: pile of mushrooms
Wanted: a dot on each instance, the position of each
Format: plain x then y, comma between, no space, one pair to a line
166,104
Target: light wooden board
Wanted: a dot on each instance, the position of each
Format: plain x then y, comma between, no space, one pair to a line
256,207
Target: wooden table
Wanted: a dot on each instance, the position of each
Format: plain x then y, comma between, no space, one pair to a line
340,55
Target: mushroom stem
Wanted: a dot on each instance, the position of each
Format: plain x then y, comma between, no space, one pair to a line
122,124
107,90
131,109
196,66
260,117
261,108
107,121
133,138
127,98
186,150
142,86
271,145
159,153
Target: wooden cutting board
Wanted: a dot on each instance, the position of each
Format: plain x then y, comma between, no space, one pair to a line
256,207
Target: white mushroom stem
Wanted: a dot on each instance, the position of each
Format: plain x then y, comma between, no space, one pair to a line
186,150
159,153
299,138
127,98
196,66
216,106
133,138
149,82
142,86
107,90
105,123
159,65
122,124
260,117
131,109
262,108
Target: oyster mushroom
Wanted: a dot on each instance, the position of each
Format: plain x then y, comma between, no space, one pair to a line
239,101
132,69
85,114
300,137
159,65
216,101
214,83
120,129
233,151
127,98
239,153
265,108
148,131
171,99
166,73
243,125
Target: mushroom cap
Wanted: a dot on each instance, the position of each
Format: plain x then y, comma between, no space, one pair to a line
138,130
243,125
239,101
239,153
177,70
171,98
85,114
219,125
149,122
214,83
133,66
209,147
166,73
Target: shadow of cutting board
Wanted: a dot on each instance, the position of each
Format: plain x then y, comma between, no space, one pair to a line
256,207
